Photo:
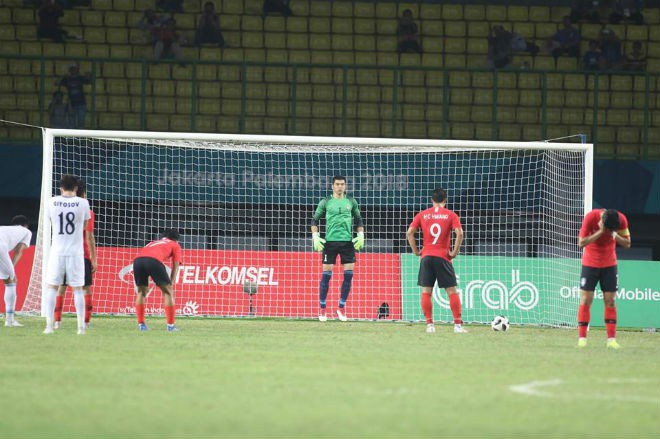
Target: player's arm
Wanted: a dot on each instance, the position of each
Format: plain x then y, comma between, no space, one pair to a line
91,245
318,243
457,242
18,252
410,235
622,236
584,241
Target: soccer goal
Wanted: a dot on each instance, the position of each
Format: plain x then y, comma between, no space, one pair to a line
244,203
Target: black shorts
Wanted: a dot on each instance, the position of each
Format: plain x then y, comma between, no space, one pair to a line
344,249
88,274
433,269
608,278
145,267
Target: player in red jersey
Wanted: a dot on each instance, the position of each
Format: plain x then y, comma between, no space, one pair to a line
89,254
150,262
437,224
601,231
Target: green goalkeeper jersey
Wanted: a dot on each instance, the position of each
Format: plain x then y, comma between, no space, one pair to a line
339,214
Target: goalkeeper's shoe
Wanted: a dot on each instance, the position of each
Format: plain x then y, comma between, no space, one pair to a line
323,317
582,342
12,323
612,344
57,325
81,331
459,329
430,328
48,330
341,316
142,327
172,328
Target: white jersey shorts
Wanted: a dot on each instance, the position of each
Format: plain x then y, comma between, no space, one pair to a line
7,270
71,266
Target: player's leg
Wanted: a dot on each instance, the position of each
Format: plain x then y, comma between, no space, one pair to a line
55,271
329,256
75,274
8,276
168,304
426,280
609,285
141,277
59,304
87,288
588,279
347,255
446,278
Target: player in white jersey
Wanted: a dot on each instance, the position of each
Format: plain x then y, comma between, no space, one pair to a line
14,238
68,216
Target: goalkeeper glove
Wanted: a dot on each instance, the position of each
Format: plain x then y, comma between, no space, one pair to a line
317,242
358,242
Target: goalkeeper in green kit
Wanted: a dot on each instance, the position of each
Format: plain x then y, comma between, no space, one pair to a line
340,211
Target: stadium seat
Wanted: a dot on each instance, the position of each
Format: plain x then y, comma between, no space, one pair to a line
98,50
531,133
507,97
478,29
575,99
571,116
509,132
617,117
477,46
386,44
474,12
7,33
319,8
464,131
636,117
621,83
621,100
539,13
628,135
31,48
455,45
113,121
162,87
517,13
275,40
452,12
455,29
276,126
364,26
252,39
496,13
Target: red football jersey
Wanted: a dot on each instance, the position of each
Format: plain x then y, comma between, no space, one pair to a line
436,224
163,249
88,229
601,253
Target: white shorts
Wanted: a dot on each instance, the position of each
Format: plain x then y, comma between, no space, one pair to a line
73,267
7,270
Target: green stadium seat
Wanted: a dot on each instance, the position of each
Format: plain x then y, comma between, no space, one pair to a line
297,41
365,10
474,12
628,135
415,130
532,132
180,123
574,81
342,9
572,116
413,95
386,10
481,114
461,96
453,60
275,24
455,45
386,44
617,117
517,13
507,97
111,121
343,42
545,30
27,16
275,126
366,76
463,131
431,28
478,29
621,100
364,26
98,50
341,25
539,13
123,5
575,99
432,59
477,46
455,29
323,110
275,40
367,43
452,12
5,16
621,83
496,13
482,96
556,131
430,11
252,39
319,8
510,132
319,42
183,88
7,33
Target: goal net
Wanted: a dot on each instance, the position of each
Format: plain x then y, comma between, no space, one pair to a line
243,205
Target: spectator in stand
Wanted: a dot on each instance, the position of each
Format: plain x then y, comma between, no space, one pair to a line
565,41
49,22
59,111
168,41
147,23
276,7
74,82
170,5
407,33
611,54
636,59
627,10
500,53
208,27
591,58
585,10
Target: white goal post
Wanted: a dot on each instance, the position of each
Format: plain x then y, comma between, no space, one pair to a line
243,205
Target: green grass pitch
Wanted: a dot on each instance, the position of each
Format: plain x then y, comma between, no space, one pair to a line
281,378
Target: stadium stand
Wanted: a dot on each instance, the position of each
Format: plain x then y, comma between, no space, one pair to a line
336,61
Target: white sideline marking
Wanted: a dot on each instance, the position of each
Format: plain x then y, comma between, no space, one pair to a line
533,388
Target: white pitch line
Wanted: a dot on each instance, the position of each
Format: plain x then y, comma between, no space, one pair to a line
531,388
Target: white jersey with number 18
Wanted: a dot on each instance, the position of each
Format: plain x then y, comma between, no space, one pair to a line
67,216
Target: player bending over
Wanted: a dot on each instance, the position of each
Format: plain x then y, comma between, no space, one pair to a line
68,216
437,223
89,252
339,211
14,238
601,231
150,263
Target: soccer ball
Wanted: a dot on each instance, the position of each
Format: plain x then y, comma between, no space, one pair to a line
500,324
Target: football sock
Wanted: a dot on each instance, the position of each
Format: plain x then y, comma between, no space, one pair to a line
584,317
88,307
169,314
49,306
345,287
610,321
427,307
10,301
455,305
79,302
323,288
139,312
59,304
